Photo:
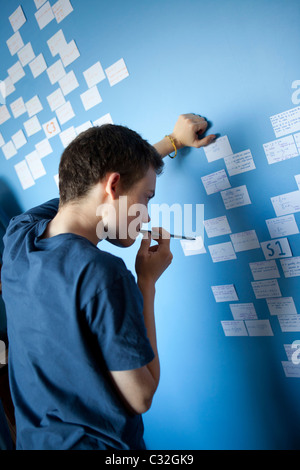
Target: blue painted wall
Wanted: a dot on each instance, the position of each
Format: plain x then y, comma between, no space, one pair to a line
233,62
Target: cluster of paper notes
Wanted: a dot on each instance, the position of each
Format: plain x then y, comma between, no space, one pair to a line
28,60
274,259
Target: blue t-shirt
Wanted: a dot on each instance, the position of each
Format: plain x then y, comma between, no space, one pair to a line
74,312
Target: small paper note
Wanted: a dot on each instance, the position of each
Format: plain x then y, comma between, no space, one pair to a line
18,107
244,241
56,99
19,139
234,328
43,148
51,128
217,227
56,71
279,248
67,136
215,182
9,150
44,15
106,119
35,165
235,197
286,122
24,174
290,369
220,148
243,311
116,72
17,19
65,113
68,83
265,289
193,247
94,75
291,266
61,9
90,98
282,306
281,149
264,270
33,106
16,72
69,53
289,323
26,54
57,43
286,203
259,328
225,293
4,114
38,66
239,163
15,43
32,126
222,252
282,226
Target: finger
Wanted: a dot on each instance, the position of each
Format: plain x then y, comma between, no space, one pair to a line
205,141
146,242
163,236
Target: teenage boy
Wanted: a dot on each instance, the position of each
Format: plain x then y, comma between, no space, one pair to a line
83,359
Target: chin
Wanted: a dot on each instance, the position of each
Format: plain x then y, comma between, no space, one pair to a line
121,243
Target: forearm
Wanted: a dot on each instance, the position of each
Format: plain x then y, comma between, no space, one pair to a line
148,292
165,147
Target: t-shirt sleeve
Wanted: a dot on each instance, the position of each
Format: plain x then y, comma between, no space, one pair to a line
48,210
116,317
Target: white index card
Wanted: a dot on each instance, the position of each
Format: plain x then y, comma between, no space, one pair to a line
282,226
289,323
7,87
9,150
35,165
94,75
68,83
279,248
259,328
83,127
33,106
4,114
90,98
15,43
265,289
218,149
215,182
43,148
235,197
244,241
297,178
234,328
116,72
19,139
291,266
281,149
56,99
57,42
243,311
24,174
17,19
239,163
26,54
222,252
264,270
38,66
18,107
56,71
193,247
51,128
69,53
224,293
16,72
106,119
32,126
286,203
61,9
286,122
217,226
67,136
2,141
44,15
282,306
39,3
3,353
290,369
65,113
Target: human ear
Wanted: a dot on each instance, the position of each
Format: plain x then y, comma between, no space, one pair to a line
112,186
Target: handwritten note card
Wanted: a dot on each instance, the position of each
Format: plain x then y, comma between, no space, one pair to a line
286,122
234,328
239,163
220,148
282,226
215,182
222,252
289,323
235,197
217,226
224,293
265,289
281,149
286,203
281,306
259,328
243,311
244,241
291,266
264,270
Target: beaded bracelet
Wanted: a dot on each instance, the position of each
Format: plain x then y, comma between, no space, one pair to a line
174,145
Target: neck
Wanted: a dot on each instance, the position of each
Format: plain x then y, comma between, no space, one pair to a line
78,218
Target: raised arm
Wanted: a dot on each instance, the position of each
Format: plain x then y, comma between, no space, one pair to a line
187,132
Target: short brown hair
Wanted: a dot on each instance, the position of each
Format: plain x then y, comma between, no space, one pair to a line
100,150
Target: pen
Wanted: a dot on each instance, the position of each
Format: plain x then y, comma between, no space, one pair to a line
156,234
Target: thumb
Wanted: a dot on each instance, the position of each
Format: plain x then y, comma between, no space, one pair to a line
146,242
